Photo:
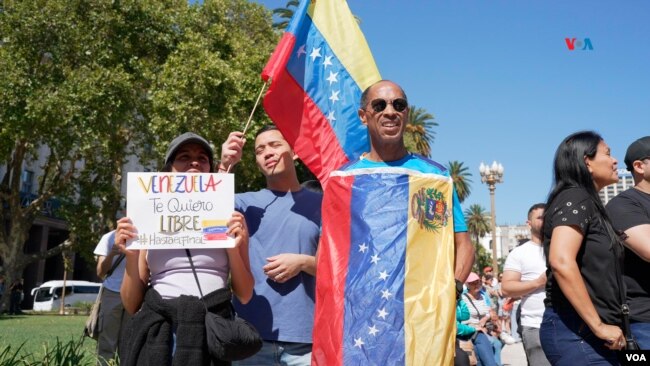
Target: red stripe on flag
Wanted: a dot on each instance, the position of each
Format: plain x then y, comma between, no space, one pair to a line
333,256
279,57
304,126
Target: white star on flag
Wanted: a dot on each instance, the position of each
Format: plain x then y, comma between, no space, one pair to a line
383,275
301,51
374,259
382,313
332,77
363,247
328,61
315,53
335,96
330,117
358,342
385,294
373,330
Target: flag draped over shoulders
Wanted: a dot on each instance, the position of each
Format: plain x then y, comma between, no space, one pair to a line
318,71
385,290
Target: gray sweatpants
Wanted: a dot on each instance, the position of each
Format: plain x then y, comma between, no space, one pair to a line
533,347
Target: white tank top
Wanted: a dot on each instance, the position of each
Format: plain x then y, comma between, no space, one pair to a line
171,273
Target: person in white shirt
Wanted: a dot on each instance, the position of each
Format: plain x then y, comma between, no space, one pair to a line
112,315
524,275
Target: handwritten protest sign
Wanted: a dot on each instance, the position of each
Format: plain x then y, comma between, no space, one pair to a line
180,210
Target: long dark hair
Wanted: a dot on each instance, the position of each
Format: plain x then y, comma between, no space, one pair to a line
570,171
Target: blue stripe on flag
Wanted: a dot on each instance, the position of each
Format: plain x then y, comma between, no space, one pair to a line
215,229
373,330
337,98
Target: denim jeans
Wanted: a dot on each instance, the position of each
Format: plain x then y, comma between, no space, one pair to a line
488,350
276,353
568,341
641,332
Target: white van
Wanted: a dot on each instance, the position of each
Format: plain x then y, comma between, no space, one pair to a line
47,297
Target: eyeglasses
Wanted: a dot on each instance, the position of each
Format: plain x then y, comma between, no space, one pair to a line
399,104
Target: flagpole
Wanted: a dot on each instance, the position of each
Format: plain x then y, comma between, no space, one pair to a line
250,118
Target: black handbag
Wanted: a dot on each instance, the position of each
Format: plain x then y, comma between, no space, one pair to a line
228,338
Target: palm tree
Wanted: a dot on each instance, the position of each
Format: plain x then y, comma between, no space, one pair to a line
460,175
478,222
419,130
285,14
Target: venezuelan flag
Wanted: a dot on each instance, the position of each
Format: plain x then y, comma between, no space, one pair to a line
385,285
318,71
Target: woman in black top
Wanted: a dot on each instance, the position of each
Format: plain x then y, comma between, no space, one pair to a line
583,307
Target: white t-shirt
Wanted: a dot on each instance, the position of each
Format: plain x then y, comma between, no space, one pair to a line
114,281
528,259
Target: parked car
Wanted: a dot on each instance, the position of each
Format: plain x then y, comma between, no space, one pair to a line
47,297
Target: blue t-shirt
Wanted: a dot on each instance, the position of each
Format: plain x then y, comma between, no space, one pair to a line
422,165
281,222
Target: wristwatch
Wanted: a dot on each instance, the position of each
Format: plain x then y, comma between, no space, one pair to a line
459,287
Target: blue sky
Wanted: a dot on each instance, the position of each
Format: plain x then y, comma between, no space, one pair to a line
502,84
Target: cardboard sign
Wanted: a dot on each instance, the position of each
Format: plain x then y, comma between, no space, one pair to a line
180,210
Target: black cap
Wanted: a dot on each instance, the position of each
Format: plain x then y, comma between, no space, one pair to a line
185,138
639,150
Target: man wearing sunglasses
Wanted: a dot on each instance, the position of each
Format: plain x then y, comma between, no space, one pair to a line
384,110
365,261
630,213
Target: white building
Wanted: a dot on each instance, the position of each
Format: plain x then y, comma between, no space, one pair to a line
625,181
508,237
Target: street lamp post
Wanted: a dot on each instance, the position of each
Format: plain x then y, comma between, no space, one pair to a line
491,175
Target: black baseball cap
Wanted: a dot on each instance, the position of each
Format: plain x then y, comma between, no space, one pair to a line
188,137
638,150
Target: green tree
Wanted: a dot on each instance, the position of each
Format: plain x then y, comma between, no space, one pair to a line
87,85
460,174
483,259
210,82
478,222
419,130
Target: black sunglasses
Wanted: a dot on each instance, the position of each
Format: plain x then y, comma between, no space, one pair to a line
399,104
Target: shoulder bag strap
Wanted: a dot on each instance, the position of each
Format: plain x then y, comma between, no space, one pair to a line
189,256
625,309
117,263
472,302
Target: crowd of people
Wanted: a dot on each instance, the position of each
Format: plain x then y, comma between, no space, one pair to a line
564,292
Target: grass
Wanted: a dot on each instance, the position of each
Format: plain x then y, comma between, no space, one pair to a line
33,334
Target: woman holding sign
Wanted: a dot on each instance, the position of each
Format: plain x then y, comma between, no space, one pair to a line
163,286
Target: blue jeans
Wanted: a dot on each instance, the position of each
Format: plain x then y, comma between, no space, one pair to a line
488,350
567,340
641,332
276,353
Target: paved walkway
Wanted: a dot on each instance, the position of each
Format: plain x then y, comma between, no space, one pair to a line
514,355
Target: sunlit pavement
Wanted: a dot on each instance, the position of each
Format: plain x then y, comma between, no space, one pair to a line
513,355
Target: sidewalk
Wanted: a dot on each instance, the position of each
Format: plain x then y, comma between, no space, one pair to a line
514,355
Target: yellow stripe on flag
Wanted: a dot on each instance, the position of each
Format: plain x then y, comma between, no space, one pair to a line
341,31
212,223
429,291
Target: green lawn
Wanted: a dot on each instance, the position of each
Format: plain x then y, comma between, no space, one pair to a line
36,331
